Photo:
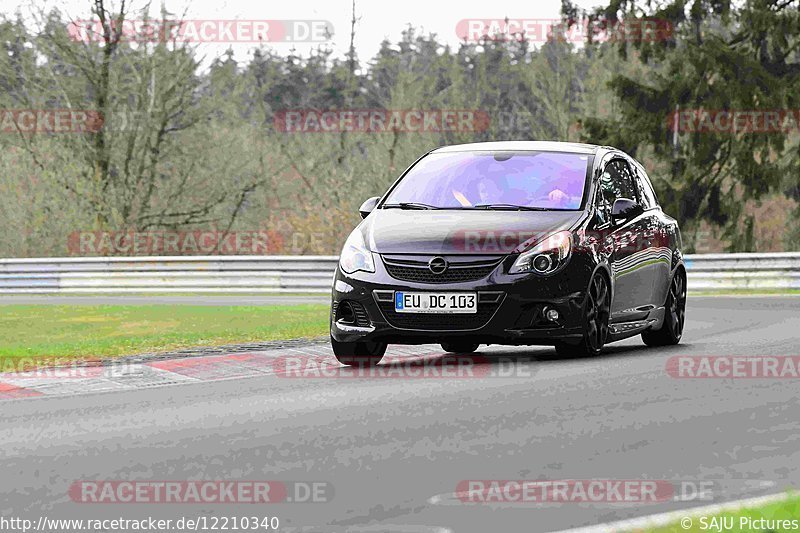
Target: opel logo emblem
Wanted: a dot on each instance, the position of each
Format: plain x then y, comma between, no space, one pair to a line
437,265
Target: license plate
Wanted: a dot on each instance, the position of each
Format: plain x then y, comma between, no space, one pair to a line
435,302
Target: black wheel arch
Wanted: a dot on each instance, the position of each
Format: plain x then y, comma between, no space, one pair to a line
680,268
605,271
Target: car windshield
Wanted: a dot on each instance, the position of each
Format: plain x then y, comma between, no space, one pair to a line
493,180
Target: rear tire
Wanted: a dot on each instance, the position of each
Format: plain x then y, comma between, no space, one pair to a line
671,330
360,354
596,314
460,347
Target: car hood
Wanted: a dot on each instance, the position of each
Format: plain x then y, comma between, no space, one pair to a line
397,231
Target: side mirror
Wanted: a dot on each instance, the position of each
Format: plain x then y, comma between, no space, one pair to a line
624,208
367,207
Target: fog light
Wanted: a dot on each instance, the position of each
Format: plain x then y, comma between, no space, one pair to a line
551,314
345,313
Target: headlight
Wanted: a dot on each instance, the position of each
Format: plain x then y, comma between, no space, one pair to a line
355,255
546,257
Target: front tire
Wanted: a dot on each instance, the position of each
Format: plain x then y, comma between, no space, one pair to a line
460,347
596,314
671,330
360,354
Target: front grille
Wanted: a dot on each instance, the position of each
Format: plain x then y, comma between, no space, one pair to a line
439,322
459,269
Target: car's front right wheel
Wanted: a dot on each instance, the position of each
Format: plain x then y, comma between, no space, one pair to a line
596,314
358,353
460,347
671,330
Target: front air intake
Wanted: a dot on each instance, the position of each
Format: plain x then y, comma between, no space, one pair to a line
351,313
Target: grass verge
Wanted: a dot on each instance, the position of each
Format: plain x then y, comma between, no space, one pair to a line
747,292
777,517
88,331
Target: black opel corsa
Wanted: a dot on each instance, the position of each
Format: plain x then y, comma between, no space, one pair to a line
513,243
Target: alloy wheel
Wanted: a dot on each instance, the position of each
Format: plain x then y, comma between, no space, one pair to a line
598,311
677,309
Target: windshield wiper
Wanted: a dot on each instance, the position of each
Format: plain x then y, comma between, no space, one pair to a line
409,205
509,207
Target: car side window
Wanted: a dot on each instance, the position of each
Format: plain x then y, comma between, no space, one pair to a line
646,191
616,182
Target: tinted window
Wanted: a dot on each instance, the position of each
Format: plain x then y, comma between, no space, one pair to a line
550,180
646,192
616,182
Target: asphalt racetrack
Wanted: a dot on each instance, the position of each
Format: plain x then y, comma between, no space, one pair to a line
392,450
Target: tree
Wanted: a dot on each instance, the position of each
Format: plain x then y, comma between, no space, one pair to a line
707,55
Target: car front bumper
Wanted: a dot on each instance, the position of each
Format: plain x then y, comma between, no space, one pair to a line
510,308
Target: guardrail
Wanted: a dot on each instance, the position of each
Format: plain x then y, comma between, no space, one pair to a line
722,272
312,274
196,274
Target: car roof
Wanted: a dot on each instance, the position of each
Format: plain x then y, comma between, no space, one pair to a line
548,146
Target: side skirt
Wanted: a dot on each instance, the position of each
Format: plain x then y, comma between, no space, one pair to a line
624,330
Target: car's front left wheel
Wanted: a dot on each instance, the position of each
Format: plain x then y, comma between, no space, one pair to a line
358,353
